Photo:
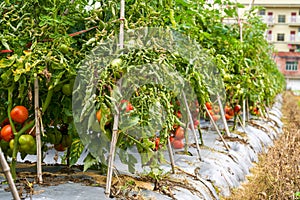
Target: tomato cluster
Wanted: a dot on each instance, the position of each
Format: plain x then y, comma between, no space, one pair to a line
26,142
214,111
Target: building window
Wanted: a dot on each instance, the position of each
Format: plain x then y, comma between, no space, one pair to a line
291,66
281,18
293,36
280,37
262,12
270,17
293,17
269,37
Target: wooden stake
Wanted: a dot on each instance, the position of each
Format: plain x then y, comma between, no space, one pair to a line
8,176
38,132
192,125
116,116
217,129
223,115
111,156
244,112
171,155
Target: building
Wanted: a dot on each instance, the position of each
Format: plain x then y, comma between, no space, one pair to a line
283,20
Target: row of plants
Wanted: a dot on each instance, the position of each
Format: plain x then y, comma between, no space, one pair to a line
49,40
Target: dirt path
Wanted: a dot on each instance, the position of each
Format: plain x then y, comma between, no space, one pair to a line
277,175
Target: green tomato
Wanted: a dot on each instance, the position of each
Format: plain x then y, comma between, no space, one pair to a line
116,62
64,48
27,144
11,144
67,89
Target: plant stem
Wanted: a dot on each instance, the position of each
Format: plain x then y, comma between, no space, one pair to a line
48,100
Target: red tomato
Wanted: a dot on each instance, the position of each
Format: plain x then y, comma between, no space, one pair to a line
231,112
228,117
129,107
19,114
196,123
237,108
157,140
178,114
178,144
171,139
208,105
179,134
6,133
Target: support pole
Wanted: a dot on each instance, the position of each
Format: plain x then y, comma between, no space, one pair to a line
171,155
192,126
116,116
8,176
217,129
223,115
38,131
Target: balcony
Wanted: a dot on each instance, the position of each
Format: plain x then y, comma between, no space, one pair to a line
294,21
293,39
269,20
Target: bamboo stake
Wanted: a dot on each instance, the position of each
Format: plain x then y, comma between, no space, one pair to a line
38,131
116,116
216,127
244,112
8,176
247,110
111,156
223,115
171,155
192,126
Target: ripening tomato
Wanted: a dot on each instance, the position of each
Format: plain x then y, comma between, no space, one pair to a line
216,117
19,114
216,109
178,144
179,133
208,105
7,133
98,115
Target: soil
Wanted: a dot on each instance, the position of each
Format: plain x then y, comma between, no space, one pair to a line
277,174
